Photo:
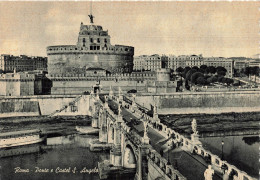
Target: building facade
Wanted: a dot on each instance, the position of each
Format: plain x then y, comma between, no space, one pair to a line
9,63
155,62
241,64
17,84
148,63
92,50
228,64
254,62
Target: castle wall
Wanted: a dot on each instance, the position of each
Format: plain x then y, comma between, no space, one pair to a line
18,108
78,87
17,84
42,105
3,88
76,63
217,102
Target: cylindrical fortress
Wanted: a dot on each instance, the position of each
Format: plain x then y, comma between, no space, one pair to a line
163,74
92,50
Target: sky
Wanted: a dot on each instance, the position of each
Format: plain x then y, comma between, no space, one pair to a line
225,29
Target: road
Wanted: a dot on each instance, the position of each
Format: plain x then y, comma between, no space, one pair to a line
189,165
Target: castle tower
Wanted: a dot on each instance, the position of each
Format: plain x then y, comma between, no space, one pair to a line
93,50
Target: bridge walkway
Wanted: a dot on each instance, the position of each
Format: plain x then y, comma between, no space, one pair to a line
192,168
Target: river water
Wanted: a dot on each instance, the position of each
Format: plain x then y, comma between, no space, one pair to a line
241,151
69,157
65,157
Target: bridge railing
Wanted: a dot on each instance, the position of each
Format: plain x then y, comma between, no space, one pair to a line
168,133
209,157
153,156
157,160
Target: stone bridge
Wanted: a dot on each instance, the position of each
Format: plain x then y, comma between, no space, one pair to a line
131,153
136,149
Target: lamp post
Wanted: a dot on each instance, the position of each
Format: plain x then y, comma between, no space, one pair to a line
169,146
222,145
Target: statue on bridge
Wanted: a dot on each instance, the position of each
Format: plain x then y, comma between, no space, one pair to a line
155,109
194,126
111,93
119,109
208,174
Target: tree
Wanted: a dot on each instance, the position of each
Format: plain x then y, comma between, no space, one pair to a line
186,69
189,74
220,78
255,70
212,79
203,67
179,70
211,70
195,67
236,73
221,73
195,76
224,80
247,71
220,68
229,81
201,81
202,71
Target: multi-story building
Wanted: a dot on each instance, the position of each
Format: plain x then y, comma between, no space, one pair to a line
9,63
148,63
176,61
254,62
184,60
228,64
139,63
155,62
240,64
194,60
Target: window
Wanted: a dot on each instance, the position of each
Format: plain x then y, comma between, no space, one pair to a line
105,40
84,41
74,108
91,40
98,40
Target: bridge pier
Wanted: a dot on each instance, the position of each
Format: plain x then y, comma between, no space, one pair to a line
94,109
142,164
103,126
110,135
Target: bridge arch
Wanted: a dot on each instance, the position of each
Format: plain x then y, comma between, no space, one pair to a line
130,158
110,132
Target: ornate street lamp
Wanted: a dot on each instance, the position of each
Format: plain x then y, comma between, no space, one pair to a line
168,163
222,145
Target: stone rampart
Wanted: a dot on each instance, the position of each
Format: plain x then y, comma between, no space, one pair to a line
43,105
203,102
19,108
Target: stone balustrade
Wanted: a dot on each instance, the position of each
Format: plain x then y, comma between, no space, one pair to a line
162,164
215,161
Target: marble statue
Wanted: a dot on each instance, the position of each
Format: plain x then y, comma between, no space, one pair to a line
194,126
208,174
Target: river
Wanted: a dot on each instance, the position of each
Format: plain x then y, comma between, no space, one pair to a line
241,151
64,157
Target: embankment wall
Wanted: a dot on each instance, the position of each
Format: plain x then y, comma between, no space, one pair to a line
43,105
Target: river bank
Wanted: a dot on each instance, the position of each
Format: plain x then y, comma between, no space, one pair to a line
229,124
62,124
